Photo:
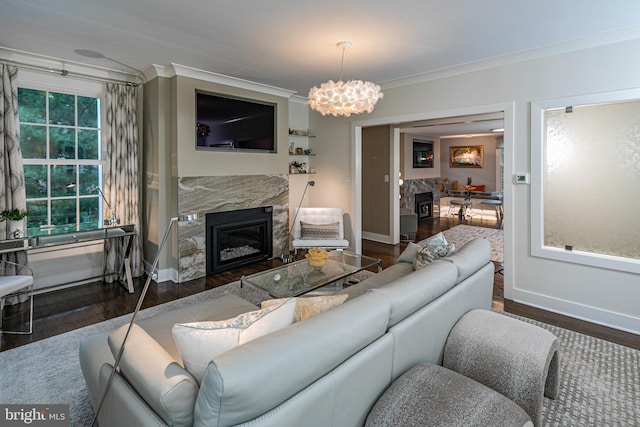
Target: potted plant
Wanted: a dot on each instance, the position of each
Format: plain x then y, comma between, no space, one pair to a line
13,214
15,217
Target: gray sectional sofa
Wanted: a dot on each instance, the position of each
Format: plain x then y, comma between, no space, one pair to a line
328,370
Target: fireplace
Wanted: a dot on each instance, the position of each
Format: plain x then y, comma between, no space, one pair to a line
424,205
239,237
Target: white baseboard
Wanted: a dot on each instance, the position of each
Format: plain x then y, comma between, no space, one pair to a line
591,314
382,238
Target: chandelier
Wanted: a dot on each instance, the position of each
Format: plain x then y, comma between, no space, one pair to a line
344,98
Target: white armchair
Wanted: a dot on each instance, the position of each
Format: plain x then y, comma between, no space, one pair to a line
319,228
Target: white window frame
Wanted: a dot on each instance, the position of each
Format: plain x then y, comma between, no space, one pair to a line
538,249
37,80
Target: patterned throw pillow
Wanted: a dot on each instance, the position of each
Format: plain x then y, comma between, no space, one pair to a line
431,252
320,231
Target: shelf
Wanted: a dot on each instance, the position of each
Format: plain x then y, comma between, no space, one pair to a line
302,136
303,155
307,173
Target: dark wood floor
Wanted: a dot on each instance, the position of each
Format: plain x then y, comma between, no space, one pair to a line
68,309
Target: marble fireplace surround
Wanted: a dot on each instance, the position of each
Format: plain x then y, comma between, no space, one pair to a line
207,194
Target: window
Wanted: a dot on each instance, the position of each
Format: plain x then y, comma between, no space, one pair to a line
60,140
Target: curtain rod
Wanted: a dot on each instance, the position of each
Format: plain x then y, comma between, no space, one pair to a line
67,73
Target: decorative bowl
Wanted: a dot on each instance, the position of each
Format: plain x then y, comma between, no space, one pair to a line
317,257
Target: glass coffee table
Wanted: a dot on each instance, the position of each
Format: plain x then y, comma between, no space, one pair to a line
298,278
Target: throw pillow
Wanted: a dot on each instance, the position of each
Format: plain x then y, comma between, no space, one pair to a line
199,342
309,307
410,252
431,252
320,231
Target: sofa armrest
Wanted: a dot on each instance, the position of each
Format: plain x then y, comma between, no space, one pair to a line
165,385
516,359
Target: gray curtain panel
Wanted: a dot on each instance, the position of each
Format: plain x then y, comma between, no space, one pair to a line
12,188
121,175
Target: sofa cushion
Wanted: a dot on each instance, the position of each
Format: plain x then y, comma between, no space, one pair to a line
387,275
156,376
199,342
409,293
320,231
471,257
251,379
309,307
213,308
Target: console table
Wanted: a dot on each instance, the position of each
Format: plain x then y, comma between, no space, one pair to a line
59,237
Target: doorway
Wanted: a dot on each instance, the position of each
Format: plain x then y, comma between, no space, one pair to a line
447,126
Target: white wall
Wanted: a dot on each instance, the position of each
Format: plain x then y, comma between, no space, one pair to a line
599,295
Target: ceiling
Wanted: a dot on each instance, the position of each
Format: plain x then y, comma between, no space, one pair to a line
291,44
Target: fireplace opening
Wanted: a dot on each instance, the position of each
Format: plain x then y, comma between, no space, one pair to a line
239,237
424,205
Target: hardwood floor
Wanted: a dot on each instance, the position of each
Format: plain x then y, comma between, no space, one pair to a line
68,309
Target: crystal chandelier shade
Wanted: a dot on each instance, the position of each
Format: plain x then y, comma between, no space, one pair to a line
344,98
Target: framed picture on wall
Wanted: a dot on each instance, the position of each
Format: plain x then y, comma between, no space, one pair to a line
422,154
466,156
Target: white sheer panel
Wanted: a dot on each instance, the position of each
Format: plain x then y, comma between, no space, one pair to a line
591,179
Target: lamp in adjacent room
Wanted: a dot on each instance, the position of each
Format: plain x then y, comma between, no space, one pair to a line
286,257
344,98
152,275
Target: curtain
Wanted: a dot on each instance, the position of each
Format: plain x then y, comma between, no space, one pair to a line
121,175
12,188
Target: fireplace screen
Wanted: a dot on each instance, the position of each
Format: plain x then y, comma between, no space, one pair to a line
240,237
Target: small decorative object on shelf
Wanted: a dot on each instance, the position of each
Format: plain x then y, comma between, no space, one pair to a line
297,167
317,257
307,151
299,132
299,150
292,148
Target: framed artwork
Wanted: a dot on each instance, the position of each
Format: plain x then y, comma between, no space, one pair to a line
422,154
467,156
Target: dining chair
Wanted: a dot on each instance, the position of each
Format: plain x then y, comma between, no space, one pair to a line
15,284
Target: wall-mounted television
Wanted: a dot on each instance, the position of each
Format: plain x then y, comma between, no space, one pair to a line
229,123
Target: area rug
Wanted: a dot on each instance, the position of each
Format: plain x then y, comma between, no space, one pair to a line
461,234
599,380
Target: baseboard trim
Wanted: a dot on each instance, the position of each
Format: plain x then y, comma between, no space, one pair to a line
382,238
573,309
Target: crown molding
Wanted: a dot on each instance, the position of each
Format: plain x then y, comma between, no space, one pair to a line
617,36
50,64
297,99
209,76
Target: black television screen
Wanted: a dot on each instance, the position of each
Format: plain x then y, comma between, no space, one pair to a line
234,124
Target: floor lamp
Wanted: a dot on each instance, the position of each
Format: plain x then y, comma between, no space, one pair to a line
152,275
286,257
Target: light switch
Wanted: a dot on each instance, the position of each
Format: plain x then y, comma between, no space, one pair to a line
521,178
386,178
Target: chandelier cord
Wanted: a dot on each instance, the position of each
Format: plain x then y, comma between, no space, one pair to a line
342,62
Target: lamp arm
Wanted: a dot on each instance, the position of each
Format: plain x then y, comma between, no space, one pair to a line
113,214
297,210
151,276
